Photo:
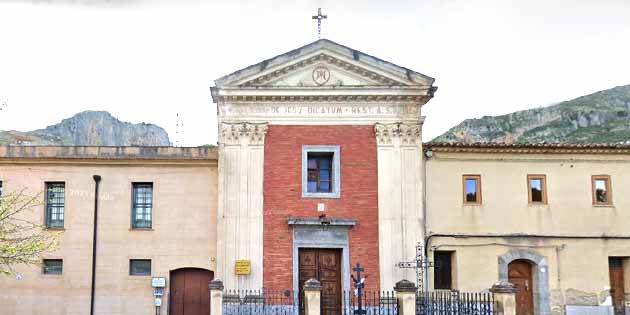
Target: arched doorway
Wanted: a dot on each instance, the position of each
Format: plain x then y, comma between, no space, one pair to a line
189,293
520,274
539,269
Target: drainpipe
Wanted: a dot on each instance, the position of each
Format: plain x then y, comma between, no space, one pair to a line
97,180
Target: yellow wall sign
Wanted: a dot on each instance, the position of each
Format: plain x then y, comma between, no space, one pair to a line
243,267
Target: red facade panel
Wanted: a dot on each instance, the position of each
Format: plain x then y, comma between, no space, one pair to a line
283,196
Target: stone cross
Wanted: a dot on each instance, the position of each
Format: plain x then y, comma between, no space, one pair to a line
319,17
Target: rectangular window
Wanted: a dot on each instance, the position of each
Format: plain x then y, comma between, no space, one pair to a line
472,189
537,188
139,267
55,204
0,189
321,174
142,205
602,190
443,276
52,266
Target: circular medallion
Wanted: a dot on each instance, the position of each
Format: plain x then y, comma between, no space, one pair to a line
321,75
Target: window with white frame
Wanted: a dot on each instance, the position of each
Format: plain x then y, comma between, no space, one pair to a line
321,173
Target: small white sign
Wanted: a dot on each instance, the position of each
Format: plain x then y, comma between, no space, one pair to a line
158,302
158,282
321,207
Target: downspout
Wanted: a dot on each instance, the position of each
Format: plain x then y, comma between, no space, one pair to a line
425,257
97,180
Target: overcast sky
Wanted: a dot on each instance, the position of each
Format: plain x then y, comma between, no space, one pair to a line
145,61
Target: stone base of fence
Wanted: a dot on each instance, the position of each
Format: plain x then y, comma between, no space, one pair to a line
505,295
406,294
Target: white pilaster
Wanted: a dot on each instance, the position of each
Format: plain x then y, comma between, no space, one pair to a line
399,156
240,215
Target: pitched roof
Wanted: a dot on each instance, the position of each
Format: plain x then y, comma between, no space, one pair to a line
330,45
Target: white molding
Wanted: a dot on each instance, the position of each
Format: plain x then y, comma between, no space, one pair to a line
336,165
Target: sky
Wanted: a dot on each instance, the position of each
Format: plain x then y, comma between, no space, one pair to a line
148,61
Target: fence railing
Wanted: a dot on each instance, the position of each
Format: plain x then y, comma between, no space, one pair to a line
261,302
371,303
455,303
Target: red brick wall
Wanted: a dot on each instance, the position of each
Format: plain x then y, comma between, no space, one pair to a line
283,196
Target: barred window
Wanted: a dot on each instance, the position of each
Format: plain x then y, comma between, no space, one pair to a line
55,204
142,205
52,267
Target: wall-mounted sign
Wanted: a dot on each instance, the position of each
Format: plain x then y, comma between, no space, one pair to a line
158,282
158,292
243,267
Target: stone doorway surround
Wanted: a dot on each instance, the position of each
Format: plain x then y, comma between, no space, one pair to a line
540,270
311,233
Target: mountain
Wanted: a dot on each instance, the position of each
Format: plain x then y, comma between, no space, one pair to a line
90,128
601,117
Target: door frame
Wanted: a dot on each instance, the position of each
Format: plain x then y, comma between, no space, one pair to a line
540,273
170,282
333,237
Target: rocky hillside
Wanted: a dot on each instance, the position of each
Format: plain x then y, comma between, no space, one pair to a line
601,117
90,128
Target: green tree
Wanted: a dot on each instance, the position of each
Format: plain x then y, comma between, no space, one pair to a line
22,241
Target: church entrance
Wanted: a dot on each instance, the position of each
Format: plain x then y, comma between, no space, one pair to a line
324,265
520,274
189,294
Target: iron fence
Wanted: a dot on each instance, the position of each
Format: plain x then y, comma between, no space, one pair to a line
370,303
455,303
261,302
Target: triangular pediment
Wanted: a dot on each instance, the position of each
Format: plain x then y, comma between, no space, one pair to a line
324,64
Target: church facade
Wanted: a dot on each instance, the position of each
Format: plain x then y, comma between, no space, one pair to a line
320,167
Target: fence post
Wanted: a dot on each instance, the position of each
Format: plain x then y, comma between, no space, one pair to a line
406,295
312,297
216,297
505,296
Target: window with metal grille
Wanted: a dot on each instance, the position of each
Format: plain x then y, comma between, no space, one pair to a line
142,207
55,204
320,172
139,267
52,266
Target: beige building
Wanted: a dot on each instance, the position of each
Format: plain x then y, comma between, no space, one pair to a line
553,219
177,233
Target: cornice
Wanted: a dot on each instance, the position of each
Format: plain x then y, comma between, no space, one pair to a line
538,148
323,98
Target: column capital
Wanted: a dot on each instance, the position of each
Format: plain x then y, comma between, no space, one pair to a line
236,132
409,134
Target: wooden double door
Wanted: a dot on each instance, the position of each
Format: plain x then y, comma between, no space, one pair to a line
520,274
189,294
325,266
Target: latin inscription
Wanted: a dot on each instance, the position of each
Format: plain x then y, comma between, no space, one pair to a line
318,110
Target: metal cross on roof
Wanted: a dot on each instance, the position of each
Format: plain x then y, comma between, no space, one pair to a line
319,17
